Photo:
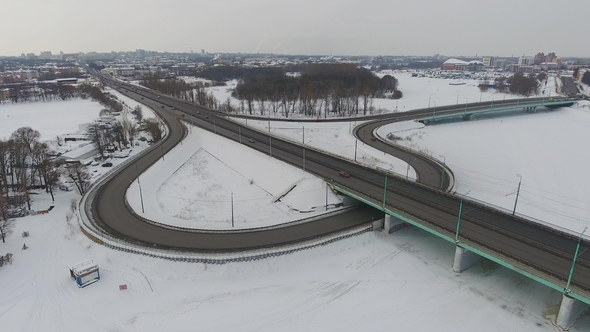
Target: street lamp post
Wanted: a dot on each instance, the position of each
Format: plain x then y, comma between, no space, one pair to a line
459,218
442,178
139,183
429,100
465,111
569,278
303,148
385,187
517,193
232,210
434,111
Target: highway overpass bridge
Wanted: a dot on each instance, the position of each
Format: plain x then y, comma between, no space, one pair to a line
467,111
542,253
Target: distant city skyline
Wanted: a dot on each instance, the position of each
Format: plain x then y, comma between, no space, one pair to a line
343,27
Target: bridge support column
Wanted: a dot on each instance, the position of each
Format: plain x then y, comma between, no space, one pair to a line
378,224
569,310
393,224
464,259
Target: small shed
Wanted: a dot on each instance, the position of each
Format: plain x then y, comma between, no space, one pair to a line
85,273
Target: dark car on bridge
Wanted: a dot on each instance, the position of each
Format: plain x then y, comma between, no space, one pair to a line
344,174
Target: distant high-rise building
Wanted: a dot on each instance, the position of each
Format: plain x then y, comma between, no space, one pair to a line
550,57
539,58
525,60
488,61
45,55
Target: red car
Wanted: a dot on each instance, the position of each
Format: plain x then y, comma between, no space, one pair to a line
344,174
373,139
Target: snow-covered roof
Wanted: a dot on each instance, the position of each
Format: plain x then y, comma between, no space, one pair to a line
456,62
475,62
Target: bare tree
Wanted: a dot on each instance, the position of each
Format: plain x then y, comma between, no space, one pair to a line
154,128
101,136
27,136
6,223
137,113
79,174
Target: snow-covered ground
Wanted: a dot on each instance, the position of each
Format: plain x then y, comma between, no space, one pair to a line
486,155
207,179
418,92
369,282
52,118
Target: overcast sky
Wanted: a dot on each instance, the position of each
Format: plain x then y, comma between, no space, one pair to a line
338,27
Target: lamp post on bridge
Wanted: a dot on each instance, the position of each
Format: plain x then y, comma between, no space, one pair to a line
465,111
429,100
385,186
434,111
569,278
442,178
459,218
517,193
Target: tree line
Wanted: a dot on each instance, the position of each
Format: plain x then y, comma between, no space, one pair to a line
519,84
26,163
340,89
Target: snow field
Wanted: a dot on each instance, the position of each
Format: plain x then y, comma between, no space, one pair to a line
486,155
192,187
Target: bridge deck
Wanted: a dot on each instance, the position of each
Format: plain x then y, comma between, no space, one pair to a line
471,109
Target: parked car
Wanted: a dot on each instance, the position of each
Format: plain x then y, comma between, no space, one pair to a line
344,174
108,164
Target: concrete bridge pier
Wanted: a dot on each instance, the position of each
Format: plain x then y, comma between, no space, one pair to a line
569,310
464,259
392,224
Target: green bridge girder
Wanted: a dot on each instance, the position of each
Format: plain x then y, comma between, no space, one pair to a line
471,109
481,251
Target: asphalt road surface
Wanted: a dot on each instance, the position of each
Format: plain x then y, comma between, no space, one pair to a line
535,246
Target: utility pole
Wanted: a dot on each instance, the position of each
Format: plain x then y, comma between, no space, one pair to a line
138,182
326,196
569,278
356,142
517,193
459,218
385,188
304,158
442,177
232,210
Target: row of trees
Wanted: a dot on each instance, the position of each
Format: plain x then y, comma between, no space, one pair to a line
519,83
342,89
339,89
27,92
194,93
